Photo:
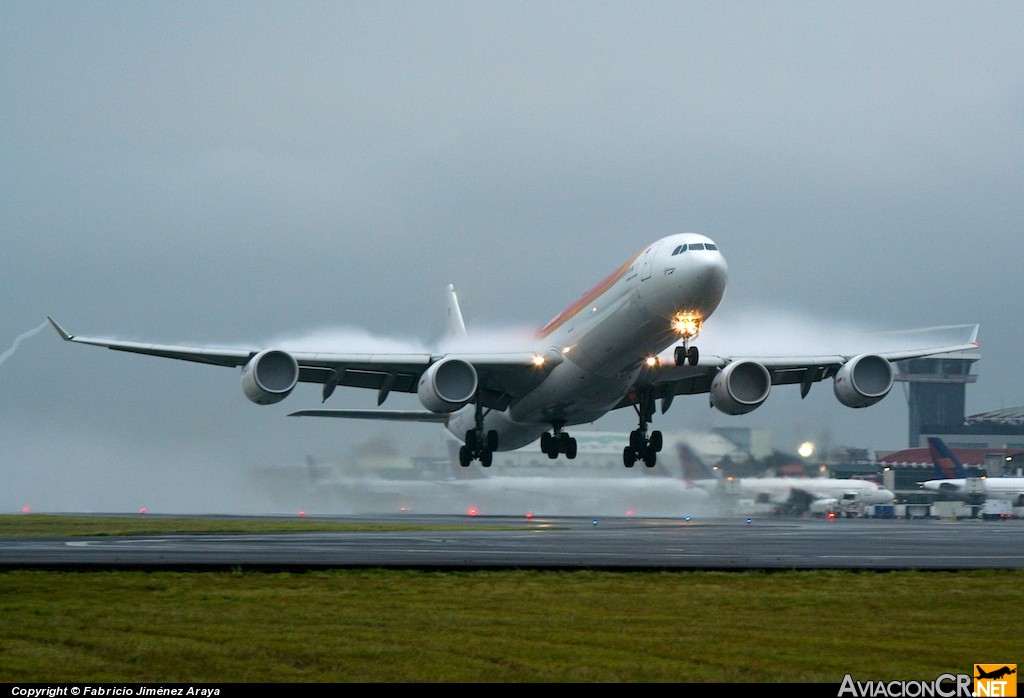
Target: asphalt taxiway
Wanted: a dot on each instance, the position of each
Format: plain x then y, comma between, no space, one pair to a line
556,543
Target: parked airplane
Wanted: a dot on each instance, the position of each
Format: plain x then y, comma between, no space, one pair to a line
601,354
790,495
952,478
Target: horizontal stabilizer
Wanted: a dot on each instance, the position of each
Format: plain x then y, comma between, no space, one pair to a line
387,415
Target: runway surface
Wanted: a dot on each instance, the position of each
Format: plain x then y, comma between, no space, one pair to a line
557,543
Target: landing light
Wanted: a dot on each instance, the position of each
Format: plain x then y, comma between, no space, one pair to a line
538,360
687,324
653,361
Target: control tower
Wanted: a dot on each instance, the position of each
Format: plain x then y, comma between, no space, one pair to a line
937,394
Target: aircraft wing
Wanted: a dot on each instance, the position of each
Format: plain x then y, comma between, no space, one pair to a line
670,380
502,376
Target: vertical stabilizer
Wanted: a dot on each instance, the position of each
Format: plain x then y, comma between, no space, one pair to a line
947,465
694,467
456,327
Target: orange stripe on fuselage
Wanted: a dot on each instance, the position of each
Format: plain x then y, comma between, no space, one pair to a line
587,298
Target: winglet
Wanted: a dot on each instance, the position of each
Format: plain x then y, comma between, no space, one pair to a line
60,330
456,326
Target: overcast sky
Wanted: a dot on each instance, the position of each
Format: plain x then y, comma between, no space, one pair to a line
237,173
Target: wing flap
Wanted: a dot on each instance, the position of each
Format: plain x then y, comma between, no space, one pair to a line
386,415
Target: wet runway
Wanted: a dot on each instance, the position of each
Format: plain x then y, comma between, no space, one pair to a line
556,543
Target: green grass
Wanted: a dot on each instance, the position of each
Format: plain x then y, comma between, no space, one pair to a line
504,626
44,525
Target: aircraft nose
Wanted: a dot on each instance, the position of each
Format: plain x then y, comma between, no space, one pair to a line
712,272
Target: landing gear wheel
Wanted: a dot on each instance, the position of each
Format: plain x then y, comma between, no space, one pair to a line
642,447
553,444
684,355
486,458
545,443
465,457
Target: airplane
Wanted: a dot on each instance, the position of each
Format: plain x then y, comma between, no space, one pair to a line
625,344
996,673
952,477
791,495
799,495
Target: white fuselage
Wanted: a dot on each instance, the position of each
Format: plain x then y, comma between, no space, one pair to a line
1011,488
606,337
779,489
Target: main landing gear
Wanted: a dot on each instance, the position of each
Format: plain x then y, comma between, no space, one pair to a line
558,442
641,447
480,445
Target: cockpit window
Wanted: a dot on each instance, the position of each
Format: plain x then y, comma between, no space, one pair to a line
694,246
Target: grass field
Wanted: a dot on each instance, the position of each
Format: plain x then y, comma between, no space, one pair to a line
501,626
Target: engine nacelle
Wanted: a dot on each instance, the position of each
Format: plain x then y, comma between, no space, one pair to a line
740,387
863,380
447,385
270,376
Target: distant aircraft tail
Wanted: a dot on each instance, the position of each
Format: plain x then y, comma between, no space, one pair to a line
694,468
947,465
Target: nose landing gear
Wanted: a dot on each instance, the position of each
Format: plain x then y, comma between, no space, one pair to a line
685,354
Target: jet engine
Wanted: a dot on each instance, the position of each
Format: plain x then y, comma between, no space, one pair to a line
270,376
740,387
863,380
447,385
